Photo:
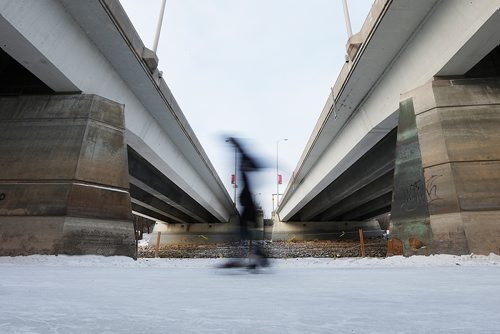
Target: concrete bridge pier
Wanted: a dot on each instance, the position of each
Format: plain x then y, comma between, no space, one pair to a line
446,195
64,176
324,230
196,233
205,233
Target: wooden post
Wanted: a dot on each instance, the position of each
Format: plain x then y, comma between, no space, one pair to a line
157,249
136,243
362,241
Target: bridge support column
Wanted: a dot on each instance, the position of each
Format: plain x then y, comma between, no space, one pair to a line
63,177
446,195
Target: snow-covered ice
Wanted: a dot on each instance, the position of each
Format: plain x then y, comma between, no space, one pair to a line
92,294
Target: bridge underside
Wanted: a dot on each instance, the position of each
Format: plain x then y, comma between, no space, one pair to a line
69,182
363,191
441,188
17,80
154,195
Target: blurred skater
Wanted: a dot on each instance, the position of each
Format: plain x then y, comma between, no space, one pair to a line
248,216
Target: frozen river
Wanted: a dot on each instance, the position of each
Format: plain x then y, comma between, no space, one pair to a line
91,294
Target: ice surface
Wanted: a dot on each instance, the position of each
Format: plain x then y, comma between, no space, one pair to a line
93,294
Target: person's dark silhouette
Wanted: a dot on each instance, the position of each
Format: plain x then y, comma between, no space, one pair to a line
248,216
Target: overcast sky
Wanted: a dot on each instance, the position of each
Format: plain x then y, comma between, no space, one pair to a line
257,69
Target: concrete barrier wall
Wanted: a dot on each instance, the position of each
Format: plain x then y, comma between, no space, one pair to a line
195,233
324,230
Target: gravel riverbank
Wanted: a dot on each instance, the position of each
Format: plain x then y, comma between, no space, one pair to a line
274,249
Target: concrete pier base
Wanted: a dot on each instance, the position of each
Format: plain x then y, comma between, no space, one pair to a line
324,230
63,177
197,233
447,176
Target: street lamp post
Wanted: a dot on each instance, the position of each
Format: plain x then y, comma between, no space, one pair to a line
235,185
277,172
235,169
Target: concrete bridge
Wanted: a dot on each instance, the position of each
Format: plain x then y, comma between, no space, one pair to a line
411,128
89,131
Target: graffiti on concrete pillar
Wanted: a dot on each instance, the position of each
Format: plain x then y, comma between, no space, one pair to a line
413,196
431,189
2,196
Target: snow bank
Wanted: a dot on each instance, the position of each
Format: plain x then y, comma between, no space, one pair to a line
144,242
125,262
442,260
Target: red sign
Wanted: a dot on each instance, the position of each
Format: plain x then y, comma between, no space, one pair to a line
233,179
280,179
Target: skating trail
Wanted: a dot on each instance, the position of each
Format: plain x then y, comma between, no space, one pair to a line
90,294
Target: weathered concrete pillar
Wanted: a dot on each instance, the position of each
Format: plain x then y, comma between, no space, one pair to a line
63,177
446,195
